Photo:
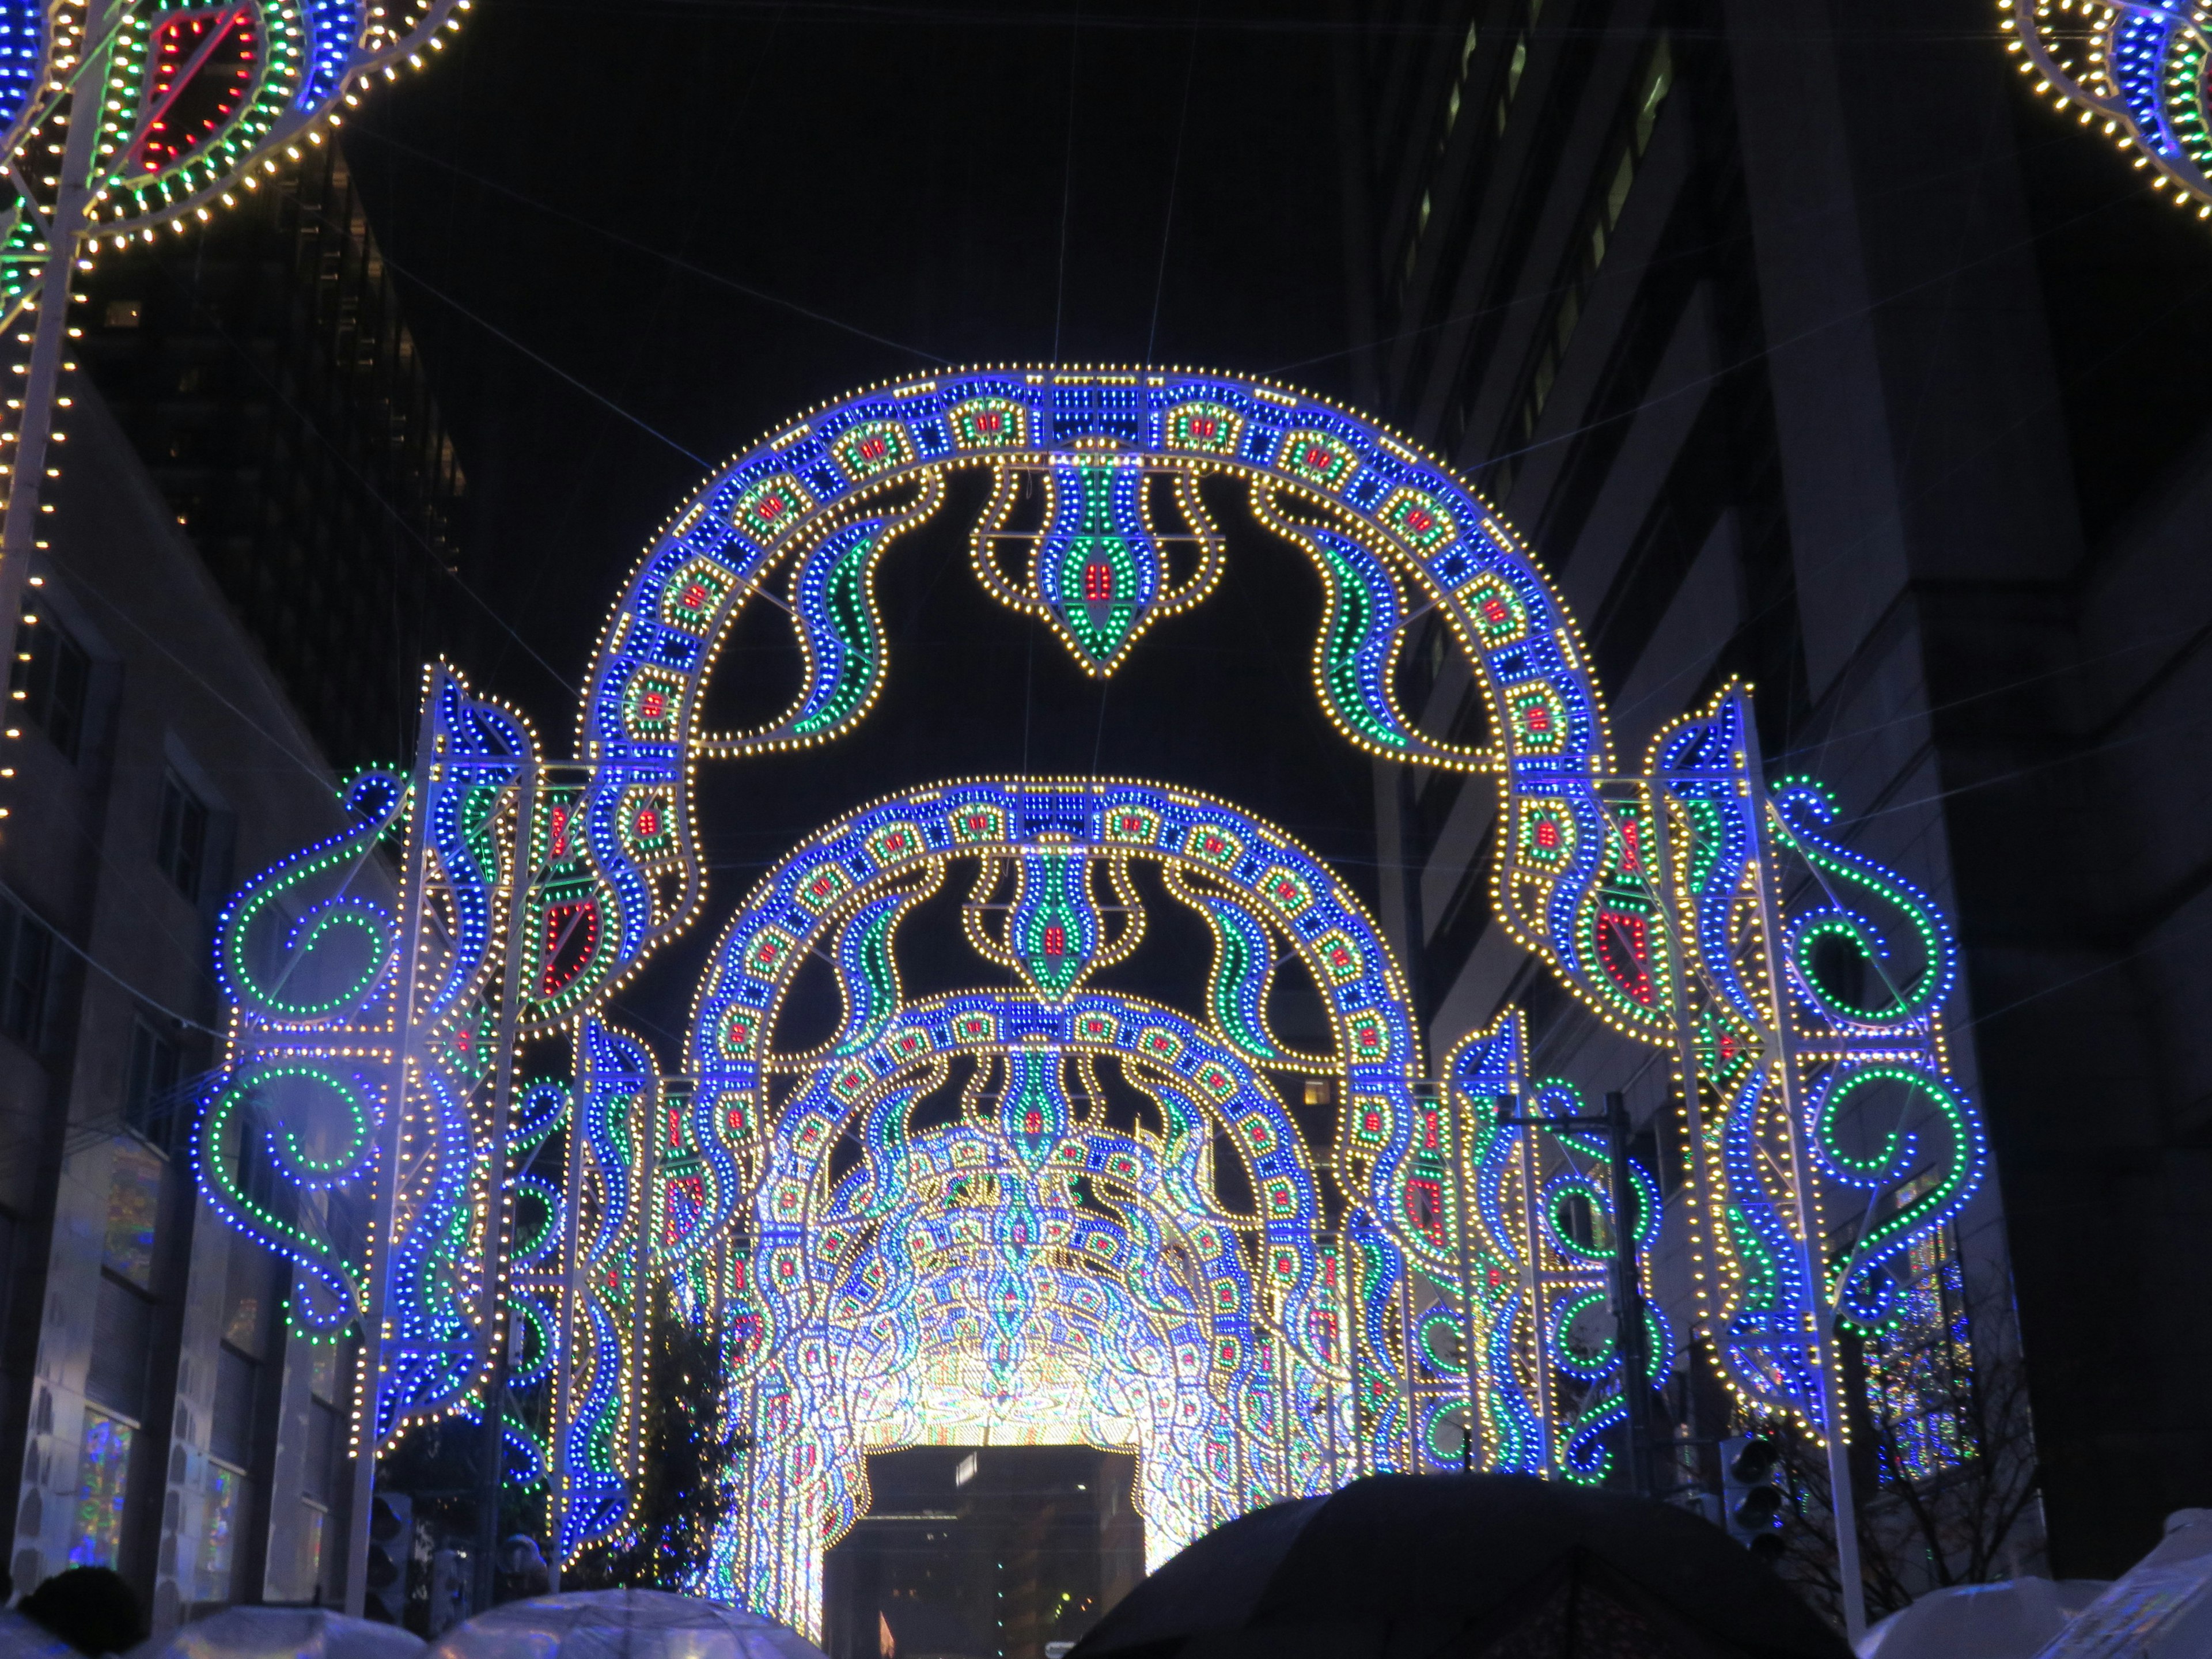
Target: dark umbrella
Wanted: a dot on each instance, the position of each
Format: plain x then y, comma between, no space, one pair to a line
1490,1567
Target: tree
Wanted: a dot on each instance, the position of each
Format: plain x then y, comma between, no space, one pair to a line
1944,1465
684,1486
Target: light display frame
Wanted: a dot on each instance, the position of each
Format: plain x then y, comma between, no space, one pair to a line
1691,905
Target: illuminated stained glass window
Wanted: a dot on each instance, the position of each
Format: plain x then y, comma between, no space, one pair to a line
1919,1373
134,1204
103,1471
219,1537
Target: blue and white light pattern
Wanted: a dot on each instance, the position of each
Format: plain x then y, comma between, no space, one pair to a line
1000,1259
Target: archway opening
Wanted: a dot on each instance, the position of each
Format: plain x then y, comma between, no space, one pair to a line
982,1552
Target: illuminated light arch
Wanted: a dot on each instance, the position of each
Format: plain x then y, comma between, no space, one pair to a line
905,1302
1690,903
1392,534
1238,1353
1239,856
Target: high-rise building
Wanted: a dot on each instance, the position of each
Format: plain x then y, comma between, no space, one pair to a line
261,367
1804,347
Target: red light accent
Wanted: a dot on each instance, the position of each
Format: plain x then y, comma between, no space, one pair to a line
571,940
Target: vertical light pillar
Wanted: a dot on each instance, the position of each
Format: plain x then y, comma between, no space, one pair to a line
414,919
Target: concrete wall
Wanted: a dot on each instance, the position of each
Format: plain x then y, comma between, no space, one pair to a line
179,691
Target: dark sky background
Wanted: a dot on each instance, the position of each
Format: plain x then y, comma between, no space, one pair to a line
587,204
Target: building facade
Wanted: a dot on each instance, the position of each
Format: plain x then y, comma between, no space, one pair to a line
1785,331
262,369
155,1415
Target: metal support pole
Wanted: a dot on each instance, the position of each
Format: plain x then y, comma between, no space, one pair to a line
1782,1061
368,1409
1532,1281
564,1378
648,1169
1461,1121
492,1441
1628,1301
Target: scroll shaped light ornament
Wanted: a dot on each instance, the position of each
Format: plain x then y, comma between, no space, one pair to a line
330,984
2135,70
1533,1305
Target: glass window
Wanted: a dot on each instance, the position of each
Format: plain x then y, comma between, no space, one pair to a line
103,1471
1658,81
122,1332
247,1302
219,1535
27,951
230,1431
313,1553
134,1208
181,847
150,1099
50,676
323,1370
318,1475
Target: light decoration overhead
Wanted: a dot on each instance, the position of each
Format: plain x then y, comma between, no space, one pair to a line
199,104
1439,1285
121,119
2134,69
1007,1258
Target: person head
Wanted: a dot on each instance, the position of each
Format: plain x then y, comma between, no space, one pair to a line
93,1609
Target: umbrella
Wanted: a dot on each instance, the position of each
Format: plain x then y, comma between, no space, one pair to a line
1407,1566
2010,1621
2160,1608
25,1639
621,1623
282,1634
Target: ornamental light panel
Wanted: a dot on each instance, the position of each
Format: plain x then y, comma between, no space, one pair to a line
1034,1208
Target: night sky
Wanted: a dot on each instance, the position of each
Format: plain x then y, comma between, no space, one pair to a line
592,207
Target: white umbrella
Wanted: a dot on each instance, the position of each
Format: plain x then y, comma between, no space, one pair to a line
2011,1620
282,1634
25,1639
621,1623
2160,1608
